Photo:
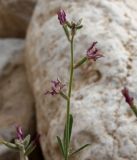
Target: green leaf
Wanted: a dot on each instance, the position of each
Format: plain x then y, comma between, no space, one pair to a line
78,150
26,141
30,148
10,145
61,146
70,125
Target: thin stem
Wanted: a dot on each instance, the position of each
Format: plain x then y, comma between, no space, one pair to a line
22,156
66,32
134,109
71,69
69,96
80,62
64,96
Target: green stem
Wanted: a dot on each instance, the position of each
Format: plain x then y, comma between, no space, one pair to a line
134,109
80,62
71,69
69,96
22,156
66,32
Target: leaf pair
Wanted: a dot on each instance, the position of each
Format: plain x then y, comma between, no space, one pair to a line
30,146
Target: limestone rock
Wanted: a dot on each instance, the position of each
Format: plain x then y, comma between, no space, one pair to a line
101,116
15,16
16,100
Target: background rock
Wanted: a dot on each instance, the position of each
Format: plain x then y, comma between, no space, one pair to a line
101,116
15,16
16,99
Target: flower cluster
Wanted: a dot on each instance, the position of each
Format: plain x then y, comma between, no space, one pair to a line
93,53
19,133
56,87
62,17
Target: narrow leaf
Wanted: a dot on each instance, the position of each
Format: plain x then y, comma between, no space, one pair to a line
61,146
30,148
70,125
32,145
26,141
78,150
10,145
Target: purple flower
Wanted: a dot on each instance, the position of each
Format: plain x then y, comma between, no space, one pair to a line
62,16
128,98
19,133
93,52
56,87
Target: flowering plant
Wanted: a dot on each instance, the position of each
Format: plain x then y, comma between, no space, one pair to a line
22,144
70,29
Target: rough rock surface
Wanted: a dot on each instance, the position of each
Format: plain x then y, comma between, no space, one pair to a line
101,116
16,100
15,16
